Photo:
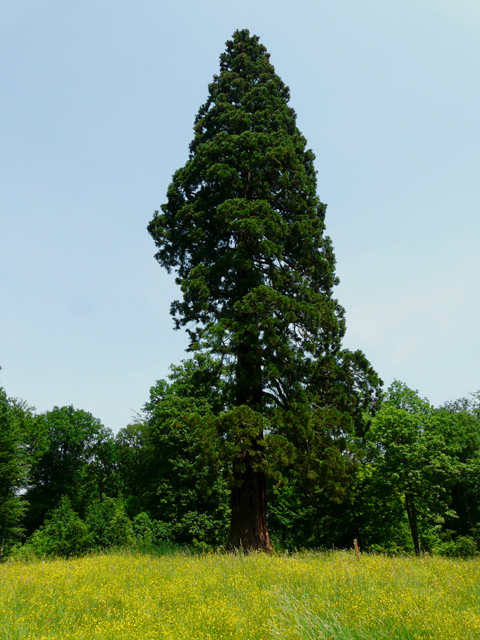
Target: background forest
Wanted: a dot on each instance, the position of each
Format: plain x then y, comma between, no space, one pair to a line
69,485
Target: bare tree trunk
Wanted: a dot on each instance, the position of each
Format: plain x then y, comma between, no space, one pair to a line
248,525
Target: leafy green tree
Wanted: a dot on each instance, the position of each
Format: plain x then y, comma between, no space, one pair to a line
378,512
136,467
186,494
73,458
413,453
467,406
163,470
143,529
244,230
63,534
108,524
461,426
15,417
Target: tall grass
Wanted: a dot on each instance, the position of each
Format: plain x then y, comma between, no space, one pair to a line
257,597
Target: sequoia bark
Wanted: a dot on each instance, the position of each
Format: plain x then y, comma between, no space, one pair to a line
248,525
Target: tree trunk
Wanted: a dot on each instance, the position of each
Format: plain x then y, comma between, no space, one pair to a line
412,520
248,525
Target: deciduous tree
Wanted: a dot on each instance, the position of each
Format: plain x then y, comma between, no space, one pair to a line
182,490
72,458
414,450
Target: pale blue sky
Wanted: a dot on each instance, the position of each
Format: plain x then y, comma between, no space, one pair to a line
98,102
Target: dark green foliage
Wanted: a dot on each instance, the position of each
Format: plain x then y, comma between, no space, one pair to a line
299,521
65,534
144,529
190,497
379,517
108,524
461,420
135,468
161,462
73,458
244,229
414,458
460,547
14,465
175,475
62,534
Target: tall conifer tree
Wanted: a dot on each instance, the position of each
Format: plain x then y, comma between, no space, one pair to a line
243,228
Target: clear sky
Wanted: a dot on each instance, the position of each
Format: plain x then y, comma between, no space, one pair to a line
97,106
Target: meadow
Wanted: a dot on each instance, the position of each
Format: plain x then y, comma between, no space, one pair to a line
256,597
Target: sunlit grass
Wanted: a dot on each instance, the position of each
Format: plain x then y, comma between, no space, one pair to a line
256,597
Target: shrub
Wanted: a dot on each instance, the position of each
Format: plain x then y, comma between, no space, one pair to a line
461,547
143,529
62,534
109,525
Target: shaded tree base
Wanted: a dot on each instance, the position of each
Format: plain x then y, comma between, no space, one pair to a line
248,528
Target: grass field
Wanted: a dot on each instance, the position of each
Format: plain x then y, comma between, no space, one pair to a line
256,597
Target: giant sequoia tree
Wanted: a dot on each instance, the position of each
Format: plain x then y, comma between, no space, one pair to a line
243,228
